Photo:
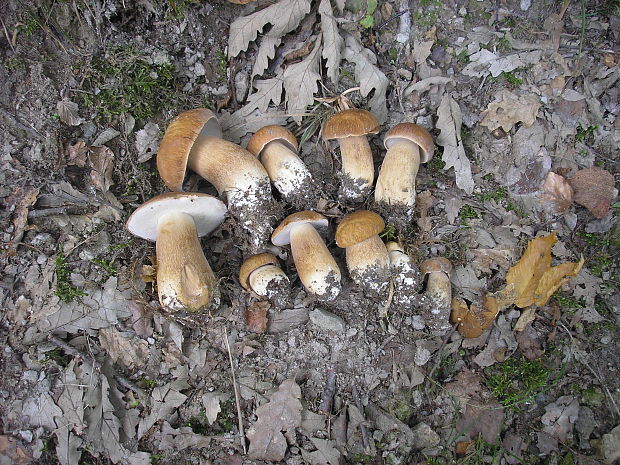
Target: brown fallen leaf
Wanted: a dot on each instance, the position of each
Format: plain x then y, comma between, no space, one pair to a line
509,108
255,316
21,198
13,451
102,165
282,414
594,189
557,194
76,154
533,277
473,320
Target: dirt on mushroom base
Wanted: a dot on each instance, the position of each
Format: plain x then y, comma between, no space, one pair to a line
401,216
352,190
305,195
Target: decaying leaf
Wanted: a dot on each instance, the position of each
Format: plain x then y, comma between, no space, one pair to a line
325,453
255,316
12,451
76,154
282,414
473,320
180,439
300,83
559,419
332,41
594,189
370,77
163,402
238,124
534,278
283,17
102,163
449,121
557,194
509,108
125,347
68,112
147,142
22,198
485,62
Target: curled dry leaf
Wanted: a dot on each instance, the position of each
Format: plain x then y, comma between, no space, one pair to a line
474,319
533,277
557,194
102,164
508,109
594,189
76,154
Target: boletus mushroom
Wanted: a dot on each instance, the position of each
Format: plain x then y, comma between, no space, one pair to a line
276,147
351,127
175,221
262,275
194,139
367,257
407,146
407,281
438,291
317,269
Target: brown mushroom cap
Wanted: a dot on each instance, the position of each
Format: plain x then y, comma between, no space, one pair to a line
282,234
350,123
412,133
207,211
269,134
177,143
435,264
357,227
252,264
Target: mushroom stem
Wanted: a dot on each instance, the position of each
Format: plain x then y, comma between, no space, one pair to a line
284,167
184,278
369,253
357,163
319,273
396,181
439,288
266,277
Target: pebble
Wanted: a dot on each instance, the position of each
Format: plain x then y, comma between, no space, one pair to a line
30,376
326,320
422,356
424,436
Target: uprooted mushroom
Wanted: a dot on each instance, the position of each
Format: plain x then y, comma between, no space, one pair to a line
175,221
194,139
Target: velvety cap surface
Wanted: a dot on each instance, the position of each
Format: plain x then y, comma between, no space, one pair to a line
432,265
414,133
177,143
282,234
253,263
357,227
269,134
208,213
348,123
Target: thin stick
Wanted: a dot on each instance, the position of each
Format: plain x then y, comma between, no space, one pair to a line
6,33
327,399
362,426
443,344
236,389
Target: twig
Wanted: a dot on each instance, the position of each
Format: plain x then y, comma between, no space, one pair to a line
236,389
362,426
327,399
443,344
384,310
6,33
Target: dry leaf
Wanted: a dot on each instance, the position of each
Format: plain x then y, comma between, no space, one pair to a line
125,347
528,315
238,124
594,189
68,112
300,83
534,278
22,198
473,320
147,142
508,109
267,91
449,121
76,154
370,77
283,17
281,414
102,163
12,451
333,42
255,316
557,194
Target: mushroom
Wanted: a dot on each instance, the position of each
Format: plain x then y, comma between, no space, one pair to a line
193,139
367,257
262,274
315,265
175,221
351,127
407,146
438,291
407,282
276,147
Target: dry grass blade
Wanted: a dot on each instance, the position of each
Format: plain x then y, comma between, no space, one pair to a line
236,389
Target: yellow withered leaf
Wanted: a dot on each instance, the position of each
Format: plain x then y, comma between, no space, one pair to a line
533,277
473,320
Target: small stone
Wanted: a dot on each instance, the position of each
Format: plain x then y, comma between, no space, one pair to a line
327,320
422,356
199,69
424,436
610,446
30,376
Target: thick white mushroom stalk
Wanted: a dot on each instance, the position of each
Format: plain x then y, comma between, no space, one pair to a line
268,281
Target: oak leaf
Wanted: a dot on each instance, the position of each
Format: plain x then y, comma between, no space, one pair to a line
300,83
534,278
332,48
508,109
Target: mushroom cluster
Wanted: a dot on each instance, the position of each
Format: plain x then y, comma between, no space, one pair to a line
243,177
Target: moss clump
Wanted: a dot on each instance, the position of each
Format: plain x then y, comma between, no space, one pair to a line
64,287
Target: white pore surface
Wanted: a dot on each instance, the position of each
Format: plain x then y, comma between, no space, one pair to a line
207,211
